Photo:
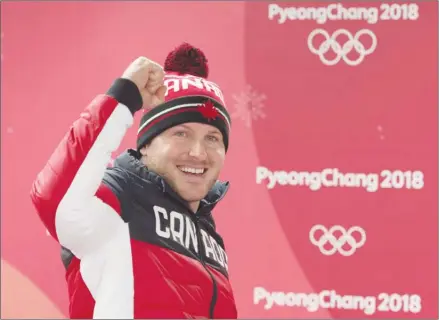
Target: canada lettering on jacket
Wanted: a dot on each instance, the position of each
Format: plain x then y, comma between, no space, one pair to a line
181,229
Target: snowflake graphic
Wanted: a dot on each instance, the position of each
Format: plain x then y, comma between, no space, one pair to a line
249,106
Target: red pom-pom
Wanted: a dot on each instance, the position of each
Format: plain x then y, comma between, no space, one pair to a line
186,59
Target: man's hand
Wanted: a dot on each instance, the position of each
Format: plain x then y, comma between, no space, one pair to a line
148,76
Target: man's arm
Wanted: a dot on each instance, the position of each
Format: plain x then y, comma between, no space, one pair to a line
76,208
71,201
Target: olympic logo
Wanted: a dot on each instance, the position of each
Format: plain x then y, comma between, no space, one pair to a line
342,51
337,244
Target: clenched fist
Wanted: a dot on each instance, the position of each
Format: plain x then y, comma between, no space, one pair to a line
148,76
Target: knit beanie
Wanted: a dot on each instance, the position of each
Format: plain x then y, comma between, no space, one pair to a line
190,97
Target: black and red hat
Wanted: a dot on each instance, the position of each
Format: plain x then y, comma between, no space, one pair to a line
190,97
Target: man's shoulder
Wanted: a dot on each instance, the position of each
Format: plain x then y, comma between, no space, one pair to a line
122,180
115,176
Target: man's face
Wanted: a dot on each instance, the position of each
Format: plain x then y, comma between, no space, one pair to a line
189,156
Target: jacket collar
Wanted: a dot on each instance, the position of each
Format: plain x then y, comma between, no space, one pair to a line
129,161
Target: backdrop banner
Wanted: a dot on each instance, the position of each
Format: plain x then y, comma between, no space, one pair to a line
332,211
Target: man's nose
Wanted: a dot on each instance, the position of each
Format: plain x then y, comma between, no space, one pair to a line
198,151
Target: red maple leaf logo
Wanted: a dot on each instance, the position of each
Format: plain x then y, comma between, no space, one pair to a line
208,110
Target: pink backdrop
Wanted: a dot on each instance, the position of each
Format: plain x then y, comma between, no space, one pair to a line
293,115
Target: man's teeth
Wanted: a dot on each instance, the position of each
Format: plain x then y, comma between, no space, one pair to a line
192,170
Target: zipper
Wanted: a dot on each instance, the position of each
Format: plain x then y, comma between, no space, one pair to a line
215,287
195,217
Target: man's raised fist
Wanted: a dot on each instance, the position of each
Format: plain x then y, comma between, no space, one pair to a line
148,76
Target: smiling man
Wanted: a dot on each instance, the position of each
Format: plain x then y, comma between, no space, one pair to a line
139,239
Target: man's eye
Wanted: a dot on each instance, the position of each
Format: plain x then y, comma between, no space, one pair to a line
180,134
212,138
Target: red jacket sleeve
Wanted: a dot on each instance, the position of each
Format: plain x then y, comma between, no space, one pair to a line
76,208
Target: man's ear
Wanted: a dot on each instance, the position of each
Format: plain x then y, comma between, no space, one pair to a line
143,150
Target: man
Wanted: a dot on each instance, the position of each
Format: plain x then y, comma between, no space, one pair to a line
140,238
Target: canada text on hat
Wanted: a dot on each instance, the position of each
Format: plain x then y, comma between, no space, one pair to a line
185,85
